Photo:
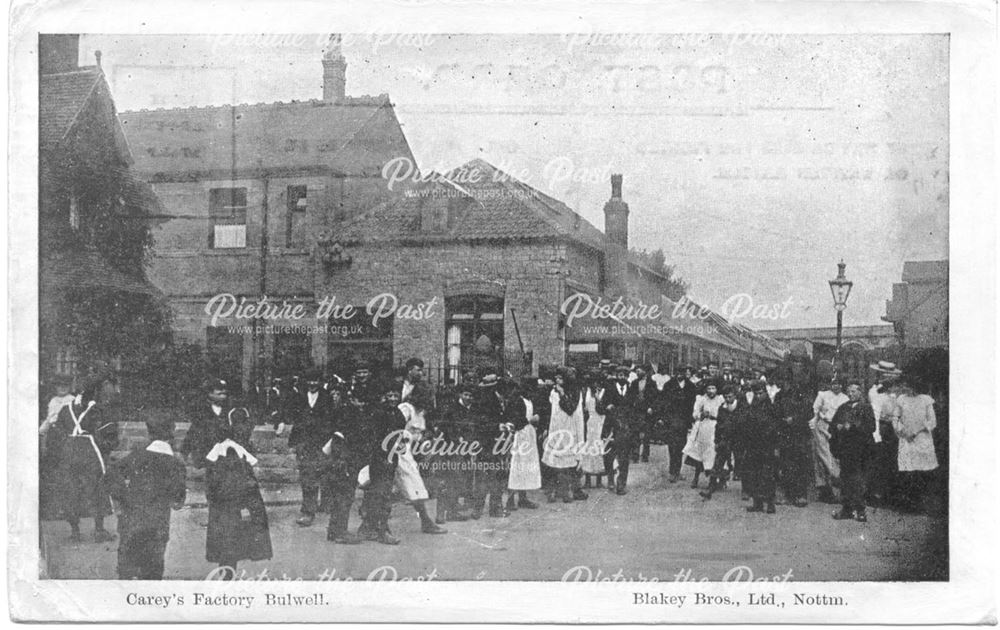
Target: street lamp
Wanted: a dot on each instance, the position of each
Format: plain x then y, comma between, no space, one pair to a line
840,287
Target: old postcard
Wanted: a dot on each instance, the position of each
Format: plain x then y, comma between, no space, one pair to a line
497,313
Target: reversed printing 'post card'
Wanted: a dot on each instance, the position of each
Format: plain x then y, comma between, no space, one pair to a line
578,316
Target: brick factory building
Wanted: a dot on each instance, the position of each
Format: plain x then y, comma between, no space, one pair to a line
287,201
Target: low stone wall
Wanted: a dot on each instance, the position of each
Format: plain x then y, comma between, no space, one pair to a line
276,461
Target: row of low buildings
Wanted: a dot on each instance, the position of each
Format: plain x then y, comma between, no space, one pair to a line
467,269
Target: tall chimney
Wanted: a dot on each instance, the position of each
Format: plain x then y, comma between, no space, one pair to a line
616,230
616,214
334,71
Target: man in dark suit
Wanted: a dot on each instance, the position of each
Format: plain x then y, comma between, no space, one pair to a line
312,429
495,435
623,414
645,396
145,486
347,453
680,396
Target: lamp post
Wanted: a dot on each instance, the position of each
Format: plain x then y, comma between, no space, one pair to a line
840,287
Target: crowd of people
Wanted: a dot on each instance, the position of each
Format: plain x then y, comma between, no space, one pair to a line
488,445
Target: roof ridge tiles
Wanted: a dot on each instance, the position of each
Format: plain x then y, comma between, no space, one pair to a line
365,100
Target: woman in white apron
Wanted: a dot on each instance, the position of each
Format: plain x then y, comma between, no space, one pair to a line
566,436
700,449
525,468
408,479
592,461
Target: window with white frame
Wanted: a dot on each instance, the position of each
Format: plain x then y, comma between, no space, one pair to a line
227,209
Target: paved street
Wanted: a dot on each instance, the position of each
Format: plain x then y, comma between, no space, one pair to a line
657,530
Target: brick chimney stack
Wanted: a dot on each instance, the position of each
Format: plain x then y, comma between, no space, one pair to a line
334,71
616,230
616,214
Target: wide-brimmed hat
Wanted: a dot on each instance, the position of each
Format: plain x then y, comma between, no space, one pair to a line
885,367
489,380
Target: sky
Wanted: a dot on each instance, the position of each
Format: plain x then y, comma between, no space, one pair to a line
755,162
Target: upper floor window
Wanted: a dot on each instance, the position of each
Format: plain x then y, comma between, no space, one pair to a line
298,203
227,210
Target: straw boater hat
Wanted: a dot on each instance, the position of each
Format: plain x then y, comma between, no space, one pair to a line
885,367
489,380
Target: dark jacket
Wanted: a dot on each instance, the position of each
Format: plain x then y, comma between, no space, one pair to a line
680,404
623,412
760,437
793,409
382,421
209,429
144,486
729,423
851,433
313,426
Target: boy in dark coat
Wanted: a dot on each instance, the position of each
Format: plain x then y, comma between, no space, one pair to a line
852,442
145,486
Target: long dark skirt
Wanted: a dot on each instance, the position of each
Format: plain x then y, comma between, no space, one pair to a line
77,484
238,529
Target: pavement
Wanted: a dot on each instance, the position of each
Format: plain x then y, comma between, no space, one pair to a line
658,531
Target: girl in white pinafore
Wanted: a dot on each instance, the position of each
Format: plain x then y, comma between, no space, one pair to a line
913,419
592,461
408,479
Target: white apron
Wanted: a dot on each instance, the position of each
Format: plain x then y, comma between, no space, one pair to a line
408,479
565,439
525,471
592,461
701,443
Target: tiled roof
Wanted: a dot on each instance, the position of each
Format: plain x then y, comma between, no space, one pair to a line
61,97
74,265
496,206
265,135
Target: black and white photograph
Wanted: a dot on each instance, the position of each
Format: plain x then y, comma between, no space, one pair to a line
663,314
